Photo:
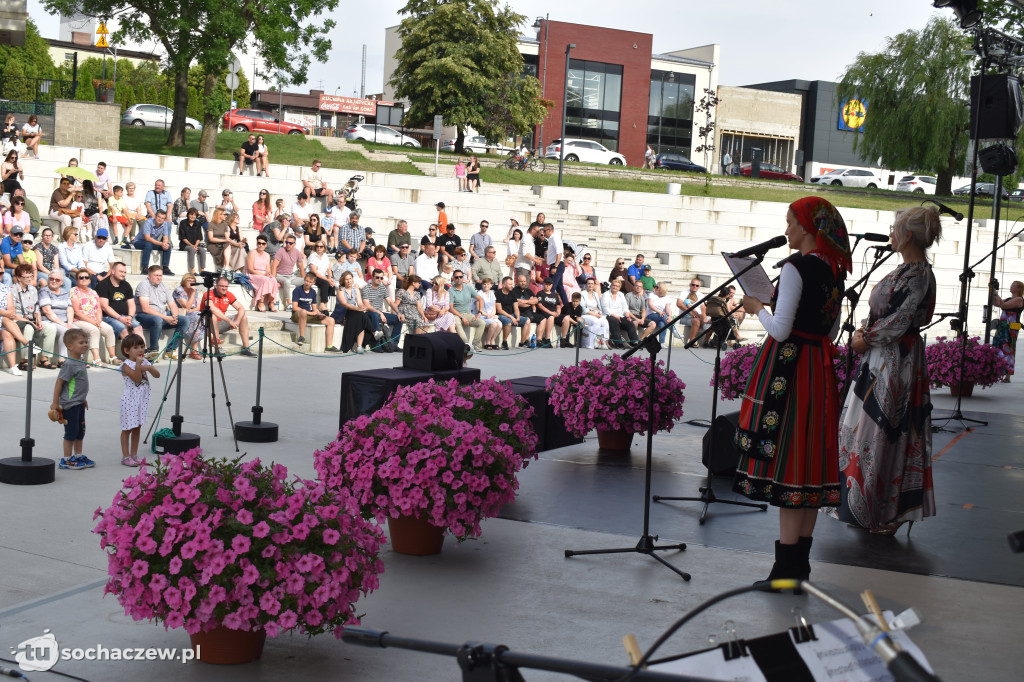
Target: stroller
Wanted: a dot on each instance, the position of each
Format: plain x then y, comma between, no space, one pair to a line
349,192
723,325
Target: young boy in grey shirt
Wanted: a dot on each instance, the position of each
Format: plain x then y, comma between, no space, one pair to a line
70,396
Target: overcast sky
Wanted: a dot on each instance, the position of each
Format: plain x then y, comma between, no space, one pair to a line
761,40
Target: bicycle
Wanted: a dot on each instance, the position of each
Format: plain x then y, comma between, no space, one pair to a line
516,161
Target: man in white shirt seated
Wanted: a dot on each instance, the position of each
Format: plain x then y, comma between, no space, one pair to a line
313,184
102,184
300,211
98,255
426,266
613,303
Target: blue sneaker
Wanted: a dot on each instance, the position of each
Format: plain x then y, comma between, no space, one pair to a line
70,463
84,461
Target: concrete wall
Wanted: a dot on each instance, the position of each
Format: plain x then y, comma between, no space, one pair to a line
87,124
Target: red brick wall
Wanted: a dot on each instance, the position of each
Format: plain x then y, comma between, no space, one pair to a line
610,46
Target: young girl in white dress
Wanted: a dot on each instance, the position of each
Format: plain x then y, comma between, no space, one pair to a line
135,399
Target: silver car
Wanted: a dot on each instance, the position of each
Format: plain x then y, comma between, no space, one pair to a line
154,116
382,134
476,144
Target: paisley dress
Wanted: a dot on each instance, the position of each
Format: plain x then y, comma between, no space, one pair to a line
1005,338
790,410
885,434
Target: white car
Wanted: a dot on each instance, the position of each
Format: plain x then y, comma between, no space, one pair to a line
154,116
382,134
584,150
918,184
848,177
477,144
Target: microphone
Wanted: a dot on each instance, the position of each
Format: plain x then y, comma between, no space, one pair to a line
879,250
945,209
760,249
872,237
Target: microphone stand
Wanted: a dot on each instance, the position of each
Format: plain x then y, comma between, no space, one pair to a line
707,495
854,294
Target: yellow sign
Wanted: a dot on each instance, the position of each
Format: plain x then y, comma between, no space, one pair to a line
102,30
854,113
102,42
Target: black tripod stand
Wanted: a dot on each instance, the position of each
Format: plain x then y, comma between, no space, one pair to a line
186,441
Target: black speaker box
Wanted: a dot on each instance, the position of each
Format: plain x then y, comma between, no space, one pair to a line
1000,105
999,159
555,435
366,392
538,399
726,455
436,352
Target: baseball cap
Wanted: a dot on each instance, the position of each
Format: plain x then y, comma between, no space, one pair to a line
647,267
439,204
548,280
102,232
340,254
17,230
369,230
203,193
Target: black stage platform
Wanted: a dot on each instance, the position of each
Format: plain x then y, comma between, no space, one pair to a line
978,474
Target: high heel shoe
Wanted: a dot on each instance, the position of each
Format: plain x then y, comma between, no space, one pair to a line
891,528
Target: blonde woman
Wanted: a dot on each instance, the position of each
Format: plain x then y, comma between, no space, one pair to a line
88,316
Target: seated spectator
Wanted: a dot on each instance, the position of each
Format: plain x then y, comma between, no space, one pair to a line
376,301
186,297
289,267
47,257
224,241
261,211
29,255
31,134
437,307
403,265
17,216
10,333
738,314
264,285
410,306
12,254
448,242
613,303
636,304
462,297
696,316
487,310
548,308
379,260
275,231
506,302
300,211
98,255
350,309
264,156
595,323
157,310
117,214
648,279
227,202
249,155
9,135
318,264
203,210
398,236
305,310
313,234
659,310
618,271
11,171
135,212
117,300
488,267
157,199
28,317
69,254
527,307
570,321
94,211
461,262
192,241
352,237
313,184
55,305
103,182
179,209
427,266
220,300
370,244
634,272
60,206
155,235
430,238
88,316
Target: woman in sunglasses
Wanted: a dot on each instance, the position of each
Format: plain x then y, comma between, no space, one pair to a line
261,211
586,264
619,270
87,315
265,287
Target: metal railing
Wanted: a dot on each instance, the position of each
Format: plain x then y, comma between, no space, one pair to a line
32,95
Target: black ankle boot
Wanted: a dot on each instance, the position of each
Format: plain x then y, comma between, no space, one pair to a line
788,563
805,551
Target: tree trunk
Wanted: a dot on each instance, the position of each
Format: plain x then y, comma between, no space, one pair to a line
460,139
208,142
944,183
176,135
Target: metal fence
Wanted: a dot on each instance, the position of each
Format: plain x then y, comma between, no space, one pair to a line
32,95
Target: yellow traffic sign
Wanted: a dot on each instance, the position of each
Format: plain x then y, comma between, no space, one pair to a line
102,42
102,30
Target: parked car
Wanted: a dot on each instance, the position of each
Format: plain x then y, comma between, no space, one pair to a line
154,116
1017,195
384,135
673,161
477,144
848,177
918,184
584,150
984,189
257,121
771,172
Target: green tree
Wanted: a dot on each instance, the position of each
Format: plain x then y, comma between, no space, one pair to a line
85,92
917,94
459,58
34,57
206,31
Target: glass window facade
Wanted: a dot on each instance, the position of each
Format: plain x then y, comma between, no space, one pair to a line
670,113
594,102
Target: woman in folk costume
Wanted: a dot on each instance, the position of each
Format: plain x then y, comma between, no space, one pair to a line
787,432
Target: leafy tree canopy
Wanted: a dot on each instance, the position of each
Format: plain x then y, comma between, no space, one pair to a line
33,59
206,31
459,59
917,90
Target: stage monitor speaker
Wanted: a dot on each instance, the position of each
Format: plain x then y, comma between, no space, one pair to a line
538,399
726,455
1000,105
999,159
555,434
366,391
437,352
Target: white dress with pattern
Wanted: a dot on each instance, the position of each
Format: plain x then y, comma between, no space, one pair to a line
135,399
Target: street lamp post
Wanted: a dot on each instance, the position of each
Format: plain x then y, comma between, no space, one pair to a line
565,106
543,82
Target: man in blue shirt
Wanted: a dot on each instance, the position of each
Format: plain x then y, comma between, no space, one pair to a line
155,233
304,311
158,199
11,249
635,271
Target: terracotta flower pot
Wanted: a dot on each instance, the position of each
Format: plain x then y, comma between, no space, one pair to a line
222,646
966,389
415,535
615,439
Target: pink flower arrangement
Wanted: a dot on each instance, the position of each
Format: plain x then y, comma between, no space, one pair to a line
200,543
983,365
447,452
738,364
610,393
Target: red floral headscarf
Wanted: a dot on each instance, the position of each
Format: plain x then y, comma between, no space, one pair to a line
822,219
